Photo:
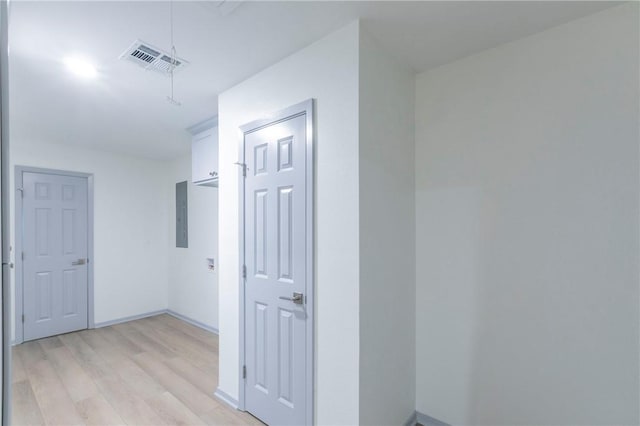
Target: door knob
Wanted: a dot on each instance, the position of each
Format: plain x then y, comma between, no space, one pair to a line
79,262
297,298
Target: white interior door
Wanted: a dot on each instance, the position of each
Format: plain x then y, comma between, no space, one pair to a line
55,244
276,314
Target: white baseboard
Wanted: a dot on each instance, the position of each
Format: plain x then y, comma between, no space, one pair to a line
224,397
425,420
154,313
129,318
420,418
192,321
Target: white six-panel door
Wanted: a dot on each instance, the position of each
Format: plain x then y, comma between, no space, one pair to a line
55,246
276,315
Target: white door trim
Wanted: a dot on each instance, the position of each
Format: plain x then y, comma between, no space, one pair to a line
18,287
4,213
303,108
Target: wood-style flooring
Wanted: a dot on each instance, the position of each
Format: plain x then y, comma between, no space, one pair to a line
154,371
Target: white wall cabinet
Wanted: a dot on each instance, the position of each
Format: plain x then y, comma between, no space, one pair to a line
204,157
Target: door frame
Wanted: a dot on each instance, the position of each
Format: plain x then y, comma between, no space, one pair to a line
19,278
303,108
5,230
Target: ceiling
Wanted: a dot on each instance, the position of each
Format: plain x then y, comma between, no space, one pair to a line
125,108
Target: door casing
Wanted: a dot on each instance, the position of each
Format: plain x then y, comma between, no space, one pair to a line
4,212
18,288
303,108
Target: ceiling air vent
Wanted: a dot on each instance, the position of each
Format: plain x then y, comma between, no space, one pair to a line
151,58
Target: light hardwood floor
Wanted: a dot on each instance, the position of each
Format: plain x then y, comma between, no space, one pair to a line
154,371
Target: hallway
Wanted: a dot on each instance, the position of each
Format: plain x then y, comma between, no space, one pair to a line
157,370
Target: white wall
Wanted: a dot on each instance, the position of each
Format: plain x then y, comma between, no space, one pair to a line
387,238
527,229
138,269
327,71
193,289
130,242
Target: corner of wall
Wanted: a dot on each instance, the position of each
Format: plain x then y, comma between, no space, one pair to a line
327,72
387,235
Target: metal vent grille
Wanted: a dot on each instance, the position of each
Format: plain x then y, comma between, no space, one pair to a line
151,58
167,59
145,53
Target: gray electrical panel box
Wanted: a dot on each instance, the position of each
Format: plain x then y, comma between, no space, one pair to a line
182,214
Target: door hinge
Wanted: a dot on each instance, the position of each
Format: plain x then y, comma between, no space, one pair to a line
244,271
22,256
23,318
21,192
244,371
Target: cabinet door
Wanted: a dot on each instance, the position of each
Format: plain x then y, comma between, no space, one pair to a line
204,155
